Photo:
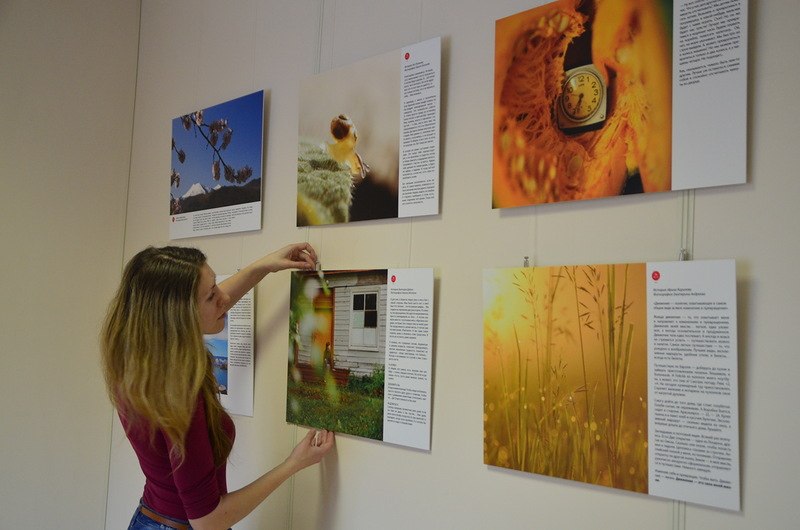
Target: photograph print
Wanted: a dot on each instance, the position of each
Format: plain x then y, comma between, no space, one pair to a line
216,166
582,101
217,347
349,142
337,351
565,372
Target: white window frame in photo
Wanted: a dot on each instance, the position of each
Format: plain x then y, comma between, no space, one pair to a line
372,289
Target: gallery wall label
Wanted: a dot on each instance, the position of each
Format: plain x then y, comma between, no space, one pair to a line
619,375
215,182
360,353
597,99
369,139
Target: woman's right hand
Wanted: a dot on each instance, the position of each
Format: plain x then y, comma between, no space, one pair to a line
295,256
311,449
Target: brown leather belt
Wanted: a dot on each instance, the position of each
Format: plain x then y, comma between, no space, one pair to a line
163,520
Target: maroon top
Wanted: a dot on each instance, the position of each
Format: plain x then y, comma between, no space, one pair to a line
187,491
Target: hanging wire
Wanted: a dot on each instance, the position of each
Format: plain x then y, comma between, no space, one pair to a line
687,225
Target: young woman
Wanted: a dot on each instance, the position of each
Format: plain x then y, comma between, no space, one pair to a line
160,378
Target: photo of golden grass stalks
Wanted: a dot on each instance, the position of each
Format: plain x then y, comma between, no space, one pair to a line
565,372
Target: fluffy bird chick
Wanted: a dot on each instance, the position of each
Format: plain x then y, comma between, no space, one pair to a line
343,147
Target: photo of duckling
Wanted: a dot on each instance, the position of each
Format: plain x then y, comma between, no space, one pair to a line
349,143
343,147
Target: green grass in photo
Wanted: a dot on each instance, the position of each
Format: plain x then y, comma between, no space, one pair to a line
356,408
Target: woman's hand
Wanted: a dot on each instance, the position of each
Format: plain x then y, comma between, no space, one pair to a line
294,256
311,449
234,506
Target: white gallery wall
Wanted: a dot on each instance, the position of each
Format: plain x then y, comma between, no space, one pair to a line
60,267
67,86
195,54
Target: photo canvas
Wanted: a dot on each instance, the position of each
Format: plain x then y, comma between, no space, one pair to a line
616,375
231,352
597,99
369,139
360,349
215,181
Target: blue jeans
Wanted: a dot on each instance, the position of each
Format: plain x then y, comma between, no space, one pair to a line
140,521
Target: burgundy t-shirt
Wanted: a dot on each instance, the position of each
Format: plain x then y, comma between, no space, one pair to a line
187,491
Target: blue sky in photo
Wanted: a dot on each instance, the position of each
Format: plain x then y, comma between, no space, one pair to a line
245,116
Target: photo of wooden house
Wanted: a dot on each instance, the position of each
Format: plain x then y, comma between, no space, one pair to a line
344,327
337,350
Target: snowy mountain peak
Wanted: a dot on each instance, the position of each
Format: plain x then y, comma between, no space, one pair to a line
196,189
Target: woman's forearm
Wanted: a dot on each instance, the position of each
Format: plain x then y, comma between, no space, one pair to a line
236,505
238,284
294,256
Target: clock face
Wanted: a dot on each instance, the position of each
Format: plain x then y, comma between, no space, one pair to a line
582,95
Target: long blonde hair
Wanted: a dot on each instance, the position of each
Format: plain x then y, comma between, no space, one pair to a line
154,360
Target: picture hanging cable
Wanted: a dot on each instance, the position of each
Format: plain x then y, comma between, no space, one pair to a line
687,225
